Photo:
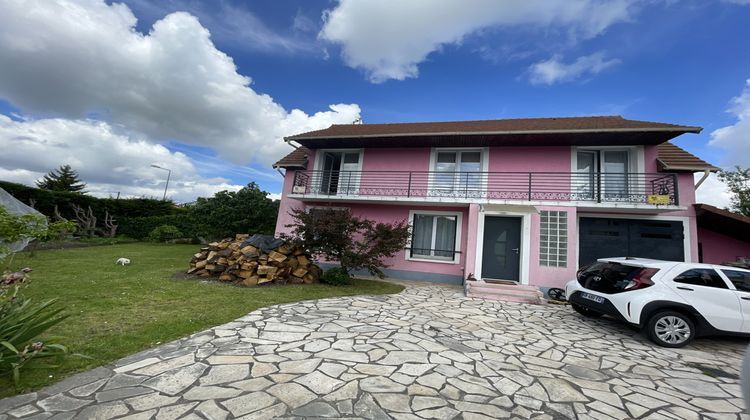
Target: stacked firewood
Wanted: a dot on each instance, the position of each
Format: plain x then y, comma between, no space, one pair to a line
236,260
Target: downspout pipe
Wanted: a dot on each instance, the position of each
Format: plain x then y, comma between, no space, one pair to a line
706,173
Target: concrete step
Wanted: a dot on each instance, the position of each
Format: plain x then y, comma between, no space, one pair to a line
513,286
514,299
503,289
504,292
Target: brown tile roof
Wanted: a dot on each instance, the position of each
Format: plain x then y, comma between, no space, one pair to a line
676,159
723,221
610,123
297,159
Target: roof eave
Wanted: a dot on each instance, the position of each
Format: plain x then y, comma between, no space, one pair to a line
684,129
686,168
288,166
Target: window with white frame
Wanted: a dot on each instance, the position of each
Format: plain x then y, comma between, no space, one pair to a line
434,236
553,243
457,171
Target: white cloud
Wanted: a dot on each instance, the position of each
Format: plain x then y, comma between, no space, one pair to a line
83,58
389,38
735,138
741,2
554,70
108,161
712,191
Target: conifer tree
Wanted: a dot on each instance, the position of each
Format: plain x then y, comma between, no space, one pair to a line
62,179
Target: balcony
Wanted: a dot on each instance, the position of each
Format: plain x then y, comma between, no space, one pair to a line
603,189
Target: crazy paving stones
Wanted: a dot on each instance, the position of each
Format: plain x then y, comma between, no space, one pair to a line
425,353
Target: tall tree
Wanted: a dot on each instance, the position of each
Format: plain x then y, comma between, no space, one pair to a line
738,182
227,213
62,179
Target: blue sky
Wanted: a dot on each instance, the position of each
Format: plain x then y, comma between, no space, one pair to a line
673,61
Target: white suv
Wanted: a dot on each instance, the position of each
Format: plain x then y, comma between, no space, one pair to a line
673,301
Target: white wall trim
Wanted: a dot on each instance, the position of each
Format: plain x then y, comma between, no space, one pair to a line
685,226
459,232
525,257
312,207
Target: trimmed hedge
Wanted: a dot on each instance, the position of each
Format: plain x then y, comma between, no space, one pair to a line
45,201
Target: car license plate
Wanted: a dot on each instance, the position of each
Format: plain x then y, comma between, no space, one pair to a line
595,298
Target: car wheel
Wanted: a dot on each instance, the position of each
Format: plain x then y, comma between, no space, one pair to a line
670,329
585,311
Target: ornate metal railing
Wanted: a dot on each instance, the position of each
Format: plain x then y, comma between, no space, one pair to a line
634,188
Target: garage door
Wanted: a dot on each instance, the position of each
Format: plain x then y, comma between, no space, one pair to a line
602,237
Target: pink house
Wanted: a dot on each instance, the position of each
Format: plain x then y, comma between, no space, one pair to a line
524,200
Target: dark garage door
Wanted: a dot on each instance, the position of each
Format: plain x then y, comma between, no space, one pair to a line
602,237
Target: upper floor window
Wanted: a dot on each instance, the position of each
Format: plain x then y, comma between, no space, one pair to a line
603,171
339,171
457,171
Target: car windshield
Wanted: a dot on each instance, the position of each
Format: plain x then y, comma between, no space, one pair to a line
607,277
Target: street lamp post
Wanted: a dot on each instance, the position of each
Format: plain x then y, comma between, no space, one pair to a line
169,174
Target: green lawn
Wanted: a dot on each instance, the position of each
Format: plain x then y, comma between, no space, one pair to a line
119,310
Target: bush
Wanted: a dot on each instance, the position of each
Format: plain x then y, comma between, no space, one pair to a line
229,212
141,227
356,243
164,233
335,277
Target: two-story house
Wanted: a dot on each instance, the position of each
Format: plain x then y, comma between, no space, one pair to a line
525,200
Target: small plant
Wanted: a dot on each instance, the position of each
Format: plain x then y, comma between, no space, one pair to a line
21,320
164,233
335,276
21,323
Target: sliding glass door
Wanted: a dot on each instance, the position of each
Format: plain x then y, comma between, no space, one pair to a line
457,173
340,173
602,174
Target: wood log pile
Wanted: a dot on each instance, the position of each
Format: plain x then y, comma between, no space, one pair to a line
232,261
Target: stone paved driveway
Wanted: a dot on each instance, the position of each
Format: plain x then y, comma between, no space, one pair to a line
425,353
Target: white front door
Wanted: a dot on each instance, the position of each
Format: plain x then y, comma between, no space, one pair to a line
706,291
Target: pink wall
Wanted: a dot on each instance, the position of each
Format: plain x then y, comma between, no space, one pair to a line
287,204
517,159
553,276
719,248
530,159
402,159
390,213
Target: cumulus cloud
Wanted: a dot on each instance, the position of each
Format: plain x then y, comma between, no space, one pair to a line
712,191
388,39
555,70
84,58
107,160
735,138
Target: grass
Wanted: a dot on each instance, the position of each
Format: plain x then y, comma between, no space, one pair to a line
119,310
